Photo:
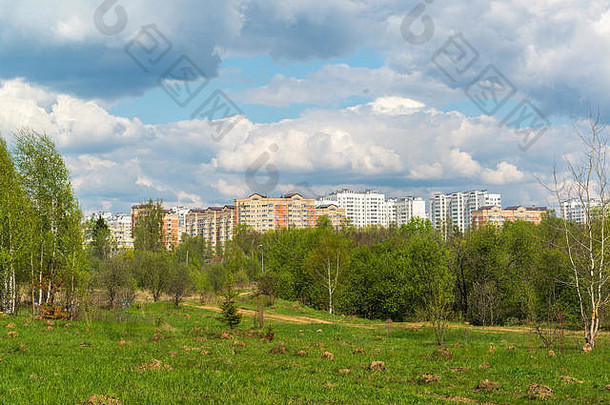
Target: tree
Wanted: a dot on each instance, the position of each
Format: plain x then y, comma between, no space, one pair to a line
328,263
116,278
57,239
154,272
148,227
15,227
180,281
229,312
435,281
102,245
586,244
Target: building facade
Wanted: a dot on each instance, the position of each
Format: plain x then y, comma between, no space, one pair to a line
335,214
455,209
493,215
264,213
362,208
408,208
119,226
574,210
216,224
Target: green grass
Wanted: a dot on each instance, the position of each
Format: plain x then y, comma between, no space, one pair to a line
40,366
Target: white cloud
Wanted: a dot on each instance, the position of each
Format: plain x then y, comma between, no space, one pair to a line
393,143
505,173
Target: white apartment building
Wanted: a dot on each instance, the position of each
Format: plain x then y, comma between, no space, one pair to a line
456,208
573,210
391,205
408,208
120,227
373,208
362,208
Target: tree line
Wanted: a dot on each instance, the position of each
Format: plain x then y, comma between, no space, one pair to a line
554,273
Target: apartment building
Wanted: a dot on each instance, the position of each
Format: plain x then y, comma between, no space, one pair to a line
574,210
120,228
264,213
456,208
176,222
493,215
361,208
407,208
215,224
335,214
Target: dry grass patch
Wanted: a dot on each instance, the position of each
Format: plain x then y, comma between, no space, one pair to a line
377,366
279,349
443,354
154,365
539,392
12,334
428,378
487,385
567,379
327,355
102,400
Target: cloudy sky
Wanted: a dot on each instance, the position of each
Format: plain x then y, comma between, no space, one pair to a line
199,102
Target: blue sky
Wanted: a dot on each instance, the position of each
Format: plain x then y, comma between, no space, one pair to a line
328,95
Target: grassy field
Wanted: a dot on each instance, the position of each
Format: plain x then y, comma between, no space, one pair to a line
159,355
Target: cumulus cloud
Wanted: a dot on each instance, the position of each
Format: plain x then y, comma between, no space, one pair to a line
396,144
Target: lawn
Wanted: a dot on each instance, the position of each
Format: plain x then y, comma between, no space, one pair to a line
161,355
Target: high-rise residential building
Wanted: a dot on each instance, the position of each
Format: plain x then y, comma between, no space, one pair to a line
391,205
120,227
335,214
215,224
176,222
264,213
456,208
574,210
494,215
408,208
361,208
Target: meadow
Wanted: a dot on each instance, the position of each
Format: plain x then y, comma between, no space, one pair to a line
157,354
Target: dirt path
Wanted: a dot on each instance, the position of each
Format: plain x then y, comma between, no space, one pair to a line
286,318
308,320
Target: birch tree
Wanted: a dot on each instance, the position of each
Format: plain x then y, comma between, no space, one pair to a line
14,231
46,181
328,263
586,243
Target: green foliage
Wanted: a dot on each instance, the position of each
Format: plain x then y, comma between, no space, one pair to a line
116,278
102,245
148,227
229,312
57,238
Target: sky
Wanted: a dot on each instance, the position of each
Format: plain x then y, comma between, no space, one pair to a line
200,102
